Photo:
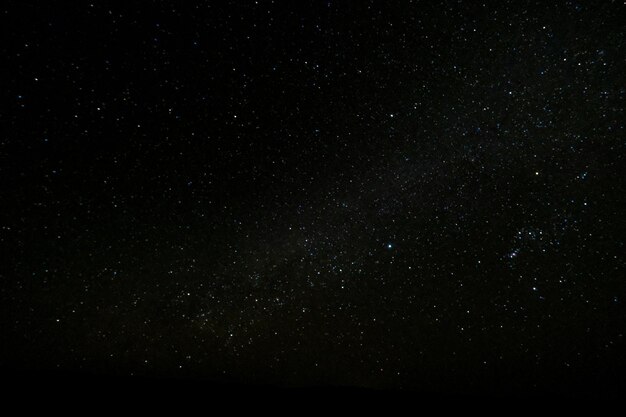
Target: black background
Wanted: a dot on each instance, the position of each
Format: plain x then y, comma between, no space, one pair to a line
422,196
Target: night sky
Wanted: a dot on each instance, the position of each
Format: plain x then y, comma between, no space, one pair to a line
406,195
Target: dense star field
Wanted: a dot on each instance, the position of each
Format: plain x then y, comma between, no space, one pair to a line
422,195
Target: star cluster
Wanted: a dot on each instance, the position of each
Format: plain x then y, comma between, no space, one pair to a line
380,194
